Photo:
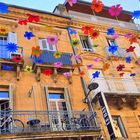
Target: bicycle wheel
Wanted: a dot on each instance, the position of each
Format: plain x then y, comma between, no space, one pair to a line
15,126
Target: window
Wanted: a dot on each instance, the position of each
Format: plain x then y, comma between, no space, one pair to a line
44,45
4,100
4,95
119,127
87,43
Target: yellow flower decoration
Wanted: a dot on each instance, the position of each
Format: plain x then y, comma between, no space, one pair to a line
57,54
28,69
3,30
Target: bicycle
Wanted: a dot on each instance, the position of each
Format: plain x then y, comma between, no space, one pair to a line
10,125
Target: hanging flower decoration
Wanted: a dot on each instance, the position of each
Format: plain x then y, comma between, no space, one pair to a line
121,74
17,59
28,35
130,49
82,73
120,67
90,66
22,22
133,39
115,10
128,35
75,43
97,59
72,2
36,51
3,8
115,36
113,48
57,54
94,34
97,5
52,40
3,30
48,72
33,18
12,47
67,74
136,14
28,69
106,66
6,67
110,31
96,74
72,31
133,74
58,64
87,29
38,61
128,59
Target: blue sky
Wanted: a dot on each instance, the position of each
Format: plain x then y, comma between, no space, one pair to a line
49,5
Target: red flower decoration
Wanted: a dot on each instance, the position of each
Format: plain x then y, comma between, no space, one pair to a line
133,39
94,34
32,18
22,22
17,59
97,5
130,49
48,72
120,67
87,29
121,74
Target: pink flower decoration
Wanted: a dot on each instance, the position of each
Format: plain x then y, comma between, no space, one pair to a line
58,64
90,66
71,2
67,74
115,10
52,40
115,36
128,35
97,59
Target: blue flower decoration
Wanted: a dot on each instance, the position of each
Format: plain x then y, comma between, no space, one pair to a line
38,61
96,74
72,31
113,48
110,31
3,8
136,14
6,67
132,74
128,59
28,35
12,47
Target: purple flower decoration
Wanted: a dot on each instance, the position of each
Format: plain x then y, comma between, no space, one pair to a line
110,31
28,35
58,64
96,74
72,31
3,8
90,66
12,47
113,49
133,74
67,74
128,35
136,14
128,59
115,36
52,40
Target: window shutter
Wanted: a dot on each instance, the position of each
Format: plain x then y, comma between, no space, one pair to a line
51,47
43,44
11,90
90,43
12,38
47,98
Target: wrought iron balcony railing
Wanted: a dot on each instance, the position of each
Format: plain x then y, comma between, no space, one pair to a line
46,121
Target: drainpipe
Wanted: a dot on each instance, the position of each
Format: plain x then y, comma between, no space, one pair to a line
84,83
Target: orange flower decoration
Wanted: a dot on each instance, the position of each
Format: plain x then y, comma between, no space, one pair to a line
97,5
94,34
82,73
36,51
133,38
77,65
106,66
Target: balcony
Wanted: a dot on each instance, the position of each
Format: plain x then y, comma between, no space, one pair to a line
48,123
48,62
97,19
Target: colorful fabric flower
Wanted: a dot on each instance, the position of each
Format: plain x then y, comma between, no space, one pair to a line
97,5
28,69
17,59
106,66
130,49
72,31
115,10
94,34
52,40
57,54
87,29
121,74
133,74
128,59
38,61
82,73
77,57
75,43
3,30
48,72
97,59
128,35
3,8
58,64
110,31
28,35
90,66
36,51
113,48
33,18
12,47
136,14
133,39
22,22
67,74
115,36
6,67
120,67
71,2
96,74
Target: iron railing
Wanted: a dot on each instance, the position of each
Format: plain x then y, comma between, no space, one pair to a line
46,121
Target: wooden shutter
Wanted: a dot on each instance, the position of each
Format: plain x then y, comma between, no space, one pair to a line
90,42
47,97
12,38
11,92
